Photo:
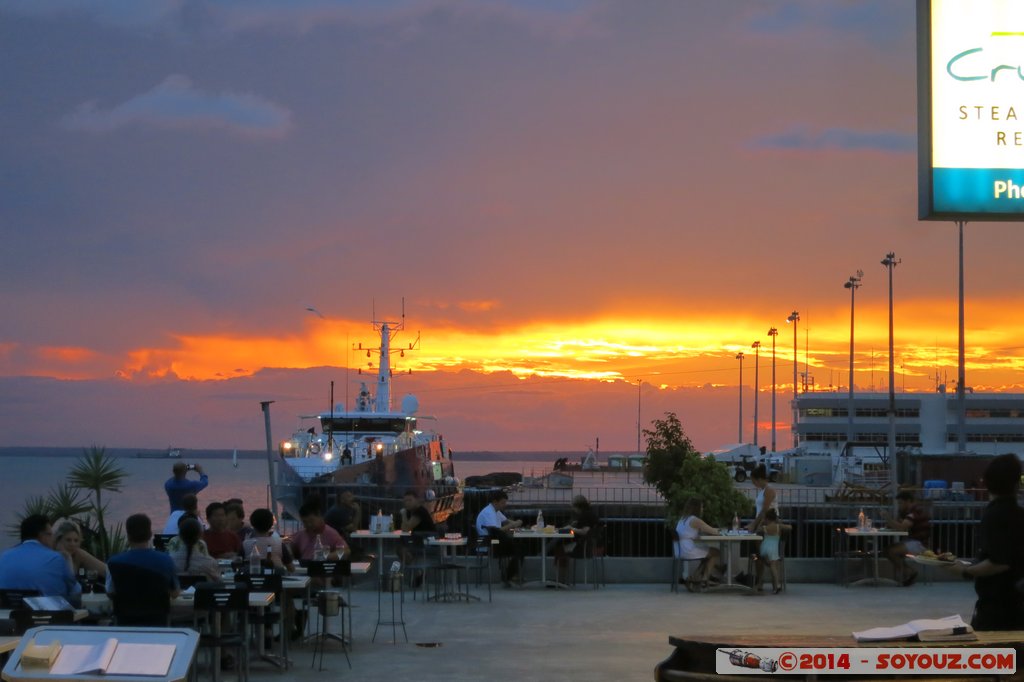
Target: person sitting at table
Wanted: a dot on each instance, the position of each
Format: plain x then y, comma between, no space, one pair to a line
189,508
269,543
189,553
491,522
222,542
584,520
345,515
34,565
303,543
414,518
67,539
914,519
689,528
235,510
769,553
140,555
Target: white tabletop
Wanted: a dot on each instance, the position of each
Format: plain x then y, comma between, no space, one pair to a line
875,532
80,614
530,533
446,542
739,537
393,535
101,601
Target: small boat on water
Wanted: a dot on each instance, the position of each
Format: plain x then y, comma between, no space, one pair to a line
172,453
373,449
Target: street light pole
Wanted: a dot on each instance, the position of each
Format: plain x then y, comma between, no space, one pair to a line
639,382
890,261
739,356
757,386
773,332
794,318
961,378
852,284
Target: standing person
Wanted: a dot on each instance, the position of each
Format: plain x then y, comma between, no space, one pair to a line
222,542
689,528
766,498
1000,564
914,519
492,522
178,486
770,553
34,565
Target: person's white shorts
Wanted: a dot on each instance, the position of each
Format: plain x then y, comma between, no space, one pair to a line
914,546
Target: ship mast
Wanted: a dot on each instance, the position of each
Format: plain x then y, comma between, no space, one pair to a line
387,330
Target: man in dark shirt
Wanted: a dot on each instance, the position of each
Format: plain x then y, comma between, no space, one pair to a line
222,542
141,555
1000,564
414,518
345,515
915,521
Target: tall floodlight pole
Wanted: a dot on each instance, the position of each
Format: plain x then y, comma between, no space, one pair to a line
890,261
739,356
639,382
852,284
773,332
757,386
961,404
265,406
794,318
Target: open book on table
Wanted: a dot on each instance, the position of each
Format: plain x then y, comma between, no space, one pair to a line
948,629
111,657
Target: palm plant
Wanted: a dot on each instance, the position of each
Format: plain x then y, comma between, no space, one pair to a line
96,472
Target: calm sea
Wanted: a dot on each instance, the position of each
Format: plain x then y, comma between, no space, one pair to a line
29,472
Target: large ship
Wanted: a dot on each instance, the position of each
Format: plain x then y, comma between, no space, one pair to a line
376,451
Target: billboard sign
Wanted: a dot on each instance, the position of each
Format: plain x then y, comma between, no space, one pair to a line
970,109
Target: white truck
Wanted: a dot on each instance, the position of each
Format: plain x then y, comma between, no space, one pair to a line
742,458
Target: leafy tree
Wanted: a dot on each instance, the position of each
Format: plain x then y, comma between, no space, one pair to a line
678,471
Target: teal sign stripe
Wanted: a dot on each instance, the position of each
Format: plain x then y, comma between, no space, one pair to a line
978,190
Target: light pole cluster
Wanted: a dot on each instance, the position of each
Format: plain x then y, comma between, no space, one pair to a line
739,356
852,284
794,318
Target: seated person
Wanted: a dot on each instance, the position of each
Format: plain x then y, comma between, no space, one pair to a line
190,555
34,565
491,522
346,515
584,519
189,507
303,543
269,543
67,540
137,578
235,510
689,528
414,518
913,519
222,542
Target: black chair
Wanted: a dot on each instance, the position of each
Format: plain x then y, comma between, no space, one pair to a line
141,597
264,620
25,619
217,601
481,556
187,581
15,598
591,553
682,569
330,573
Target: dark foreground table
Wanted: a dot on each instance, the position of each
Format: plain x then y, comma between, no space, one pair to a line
694,655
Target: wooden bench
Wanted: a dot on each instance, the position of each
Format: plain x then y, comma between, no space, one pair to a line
694,655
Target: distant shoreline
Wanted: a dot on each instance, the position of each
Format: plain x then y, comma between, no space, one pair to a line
219,453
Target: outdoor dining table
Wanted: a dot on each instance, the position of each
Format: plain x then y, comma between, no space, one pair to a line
185,641
544,536
448,546
8,644
872,536
726,542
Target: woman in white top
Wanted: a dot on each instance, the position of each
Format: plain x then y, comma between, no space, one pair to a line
689,528
766,498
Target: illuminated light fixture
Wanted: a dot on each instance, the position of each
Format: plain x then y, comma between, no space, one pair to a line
328,455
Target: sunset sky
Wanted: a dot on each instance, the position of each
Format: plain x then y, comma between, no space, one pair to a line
571,197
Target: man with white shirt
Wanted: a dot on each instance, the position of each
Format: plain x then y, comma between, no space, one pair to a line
492,522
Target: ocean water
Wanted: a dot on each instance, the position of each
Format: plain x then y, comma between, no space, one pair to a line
30,472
